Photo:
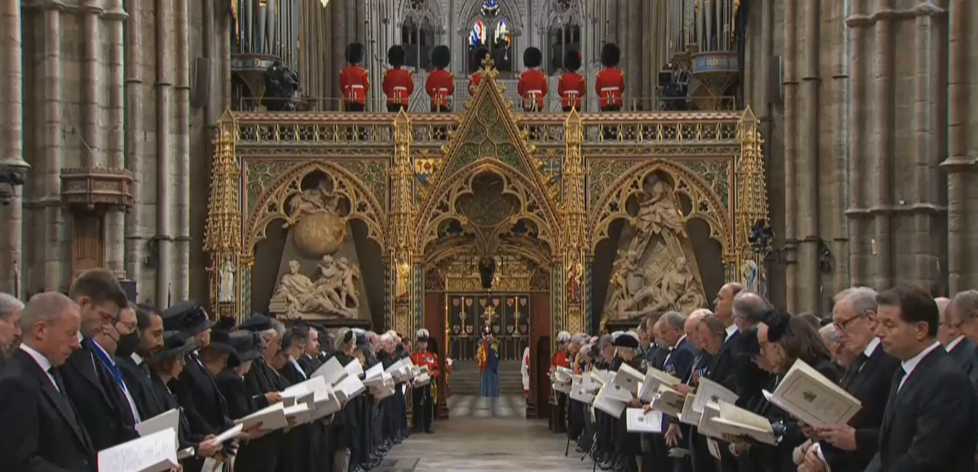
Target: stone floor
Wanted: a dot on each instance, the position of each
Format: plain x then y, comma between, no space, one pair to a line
484,437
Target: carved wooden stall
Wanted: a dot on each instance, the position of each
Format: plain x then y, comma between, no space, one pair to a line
386,218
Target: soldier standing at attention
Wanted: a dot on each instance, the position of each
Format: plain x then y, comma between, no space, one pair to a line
440,84
533,83
480,55
354,80
398,83
610,83
572,87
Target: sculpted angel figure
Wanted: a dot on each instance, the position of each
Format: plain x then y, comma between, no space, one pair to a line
348,290
657,214
296,288
313,200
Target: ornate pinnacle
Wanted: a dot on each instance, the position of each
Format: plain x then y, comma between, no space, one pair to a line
488,70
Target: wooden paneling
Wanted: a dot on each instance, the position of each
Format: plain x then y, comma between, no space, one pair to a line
87,243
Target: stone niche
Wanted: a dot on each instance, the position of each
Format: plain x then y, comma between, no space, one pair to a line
319,276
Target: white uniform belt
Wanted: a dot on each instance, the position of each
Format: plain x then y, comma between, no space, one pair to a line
400,88
535,92
610,89
572,92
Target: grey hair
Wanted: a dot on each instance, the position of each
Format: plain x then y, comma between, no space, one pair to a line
277,329
45,306
341,335
630,350
966,305
701,312
580,338
750,306
860,299
829,332
563,337
674,320
715,326
8,305
605,340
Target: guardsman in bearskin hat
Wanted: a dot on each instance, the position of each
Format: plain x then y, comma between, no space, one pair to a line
533,83
354,80
398,83
480,55
424,401
441,84
572,87
610,83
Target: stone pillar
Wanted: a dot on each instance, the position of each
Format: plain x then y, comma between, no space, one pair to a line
962,193
181,282
634,50
114,17
807,277
339,41
134,108
11,145
50,227
164,150
791,146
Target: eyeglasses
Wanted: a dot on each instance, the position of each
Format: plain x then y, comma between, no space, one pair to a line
843,325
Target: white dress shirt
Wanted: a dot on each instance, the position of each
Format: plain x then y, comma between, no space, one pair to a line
953,344
730,331
909,364
42,362
298,367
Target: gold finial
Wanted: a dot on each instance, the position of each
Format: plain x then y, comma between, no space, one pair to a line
488,70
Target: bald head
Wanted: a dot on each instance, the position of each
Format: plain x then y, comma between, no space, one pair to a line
748,309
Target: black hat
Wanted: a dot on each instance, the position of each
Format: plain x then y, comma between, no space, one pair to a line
188,317
441,56
395,55
221,341
486,331
423,335
246,347
749,342
481,54
226,323
572,60
610,55
777,325
626,340
361,338
354,53
257,322
532,57
175,344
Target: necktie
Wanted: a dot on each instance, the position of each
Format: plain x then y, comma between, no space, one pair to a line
145,369
57,381
894,388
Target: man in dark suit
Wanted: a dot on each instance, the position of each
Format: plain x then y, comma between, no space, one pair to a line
957,345
309,360
134,369
10,308
92,387
41,431
849,448
930,417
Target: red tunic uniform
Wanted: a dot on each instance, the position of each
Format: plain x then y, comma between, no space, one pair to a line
610,85
571,89
559,360
398,86
532,87
474,83
421,359
440,87
354,83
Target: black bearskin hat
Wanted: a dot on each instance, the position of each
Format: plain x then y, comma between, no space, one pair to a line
354,53
395,55
572,60
610,55
481,54
441,56
532,57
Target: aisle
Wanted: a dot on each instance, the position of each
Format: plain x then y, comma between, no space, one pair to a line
482,443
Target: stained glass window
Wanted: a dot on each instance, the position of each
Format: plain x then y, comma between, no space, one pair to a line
477,36
502,33
490,8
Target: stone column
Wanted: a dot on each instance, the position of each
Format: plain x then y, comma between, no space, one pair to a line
861,245
807,157
164,149
791,150
181,283
339,42
11,144
50,226
114,17
634,49
962,193
134,107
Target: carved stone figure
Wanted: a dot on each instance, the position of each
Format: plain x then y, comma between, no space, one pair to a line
317,227
227,283
332,295
657,271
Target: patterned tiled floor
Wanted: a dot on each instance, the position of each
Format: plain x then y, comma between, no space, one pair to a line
485,436
508,406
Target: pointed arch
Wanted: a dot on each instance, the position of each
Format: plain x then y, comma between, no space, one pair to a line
272,204
706,204
507,9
